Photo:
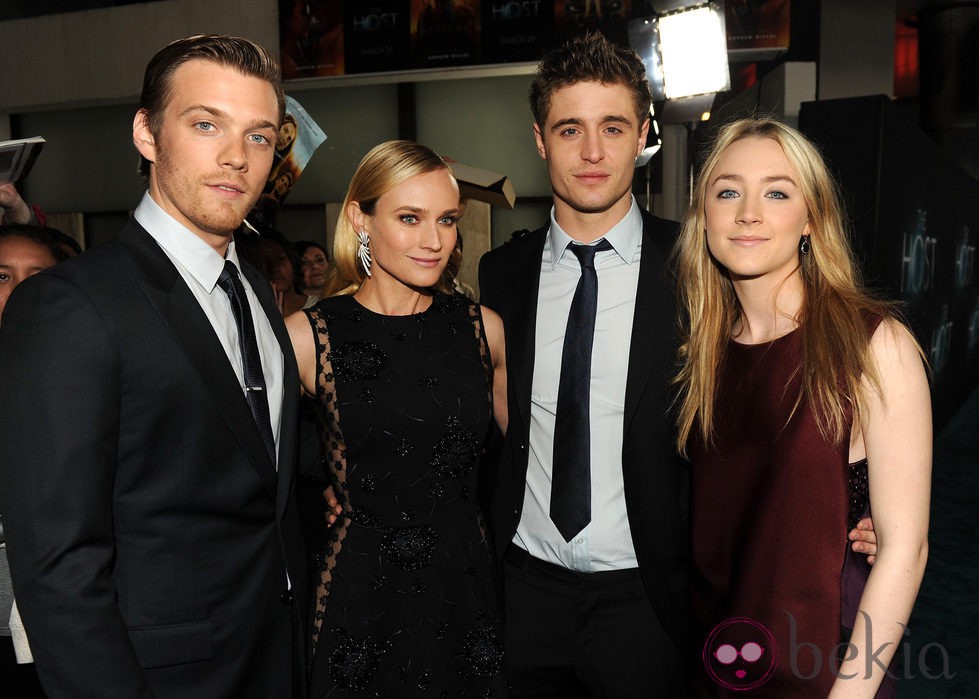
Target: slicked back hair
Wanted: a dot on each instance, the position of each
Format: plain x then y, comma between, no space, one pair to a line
244,55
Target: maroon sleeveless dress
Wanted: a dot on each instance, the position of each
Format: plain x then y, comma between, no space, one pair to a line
774,585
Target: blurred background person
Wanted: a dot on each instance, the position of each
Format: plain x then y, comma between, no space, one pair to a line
25,251
316,266
16,210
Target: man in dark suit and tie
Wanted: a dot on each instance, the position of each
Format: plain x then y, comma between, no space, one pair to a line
147,481
587,504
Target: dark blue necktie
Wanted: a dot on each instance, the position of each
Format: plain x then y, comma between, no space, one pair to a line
571,465
251,360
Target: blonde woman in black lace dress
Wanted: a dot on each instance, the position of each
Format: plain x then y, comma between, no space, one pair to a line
406,376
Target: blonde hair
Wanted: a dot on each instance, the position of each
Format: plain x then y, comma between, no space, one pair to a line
384,167
835,306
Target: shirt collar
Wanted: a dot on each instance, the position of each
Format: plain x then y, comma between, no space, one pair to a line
624,236
201,261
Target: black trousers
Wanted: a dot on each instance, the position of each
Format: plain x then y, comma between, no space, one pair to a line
17,681
570,634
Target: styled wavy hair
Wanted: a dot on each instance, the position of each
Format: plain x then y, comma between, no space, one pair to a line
384,167
244,55
589,57
835,304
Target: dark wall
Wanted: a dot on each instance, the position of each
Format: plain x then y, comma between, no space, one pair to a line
915,218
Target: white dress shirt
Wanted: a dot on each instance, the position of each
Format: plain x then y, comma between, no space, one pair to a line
606,543
200,266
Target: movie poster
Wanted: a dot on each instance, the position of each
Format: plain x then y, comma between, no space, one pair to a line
299,137
516,30
445,33
377,35
757,26
574,17
310,38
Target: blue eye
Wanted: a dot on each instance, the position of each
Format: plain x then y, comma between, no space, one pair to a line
778,195
259,138
448,220
727,194
409,219
204,126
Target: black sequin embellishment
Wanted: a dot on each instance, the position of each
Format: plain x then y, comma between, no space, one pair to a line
357,361
859,493
443,629
418,587
379,582
367,483
456,451
399,336
464,493
353,663
409,548
408,515
483,650
429,382
435,491
365,519
423,680
367,395
356,315
404,447
446,304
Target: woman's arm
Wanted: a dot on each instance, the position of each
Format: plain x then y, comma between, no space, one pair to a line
493,325
304,346
897,432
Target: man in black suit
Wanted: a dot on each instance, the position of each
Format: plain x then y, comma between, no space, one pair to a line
595,607
147,486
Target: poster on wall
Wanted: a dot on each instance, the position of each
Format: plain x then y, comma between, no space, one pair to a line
757,28
573,17
445,33
311,38
516,30
377,35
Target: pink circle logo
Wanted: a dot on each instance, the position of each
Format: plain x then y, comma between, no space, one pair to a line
740,654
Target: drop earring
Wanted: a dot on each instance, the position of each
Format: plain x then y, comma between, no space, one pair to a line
804,245
364,251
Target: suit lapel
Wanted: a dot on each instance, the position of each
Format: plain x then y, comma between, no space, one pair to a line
178,308
525,281
649,355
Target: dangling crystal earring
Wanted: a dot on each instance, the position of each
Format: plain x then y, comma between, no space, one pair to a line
804,245
364,251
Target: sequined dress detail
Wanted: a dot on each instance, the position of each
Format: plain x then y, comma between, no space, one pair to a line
406,603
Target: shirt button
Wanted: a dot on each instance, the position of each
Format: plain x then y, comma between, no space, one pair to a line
286,597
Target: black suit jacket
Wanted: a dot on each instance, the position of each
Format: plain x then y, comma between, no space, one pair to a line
149,534
655,481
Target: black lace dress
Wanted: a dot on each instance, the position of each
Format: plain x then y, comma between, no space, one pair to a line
406,603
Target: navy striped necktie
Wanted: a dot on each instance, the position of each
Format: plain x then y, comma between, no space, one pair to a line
251,360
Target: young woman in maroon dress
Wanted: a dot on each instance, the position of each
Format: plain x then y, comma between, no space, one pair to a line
798,390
